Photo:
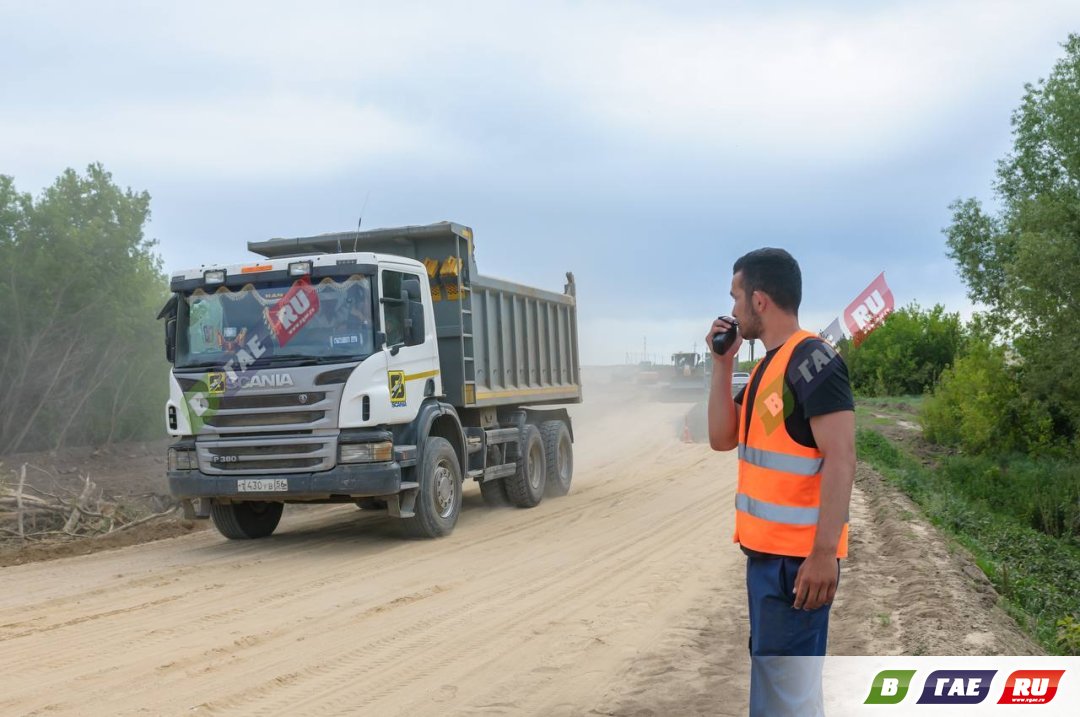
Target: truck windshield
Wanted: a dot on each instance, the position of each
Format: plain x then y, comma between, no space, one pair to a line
276,322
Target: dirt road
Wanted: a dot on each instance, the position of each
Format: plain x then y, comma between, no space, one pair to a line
626,597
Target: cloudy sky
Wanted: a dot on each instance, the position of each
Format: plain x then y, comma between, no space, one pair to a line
644,146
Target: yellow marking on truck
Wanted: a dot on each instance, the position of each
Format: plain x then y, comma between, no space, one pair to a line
424,374
482,395
215,383
396,381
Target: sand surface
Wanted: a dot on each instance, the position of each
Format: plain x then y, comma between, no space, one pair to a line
625,597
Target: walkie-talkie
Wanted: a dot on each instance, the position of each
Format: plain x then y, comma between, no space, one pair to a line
721,342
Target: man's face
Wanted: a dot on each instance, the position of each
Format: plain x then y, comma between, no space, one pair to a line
743,311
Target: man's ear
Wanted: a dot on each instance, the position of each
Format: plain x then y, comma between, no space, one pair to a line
759,300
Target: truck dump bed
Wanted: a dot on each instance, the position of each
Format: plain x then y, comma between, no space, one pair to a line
500,343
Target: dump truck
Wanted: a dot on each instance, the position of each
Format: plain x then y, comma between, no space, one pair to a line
372,367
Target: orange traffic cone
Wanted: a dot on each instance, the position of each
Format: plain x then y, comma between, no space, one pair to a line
686,437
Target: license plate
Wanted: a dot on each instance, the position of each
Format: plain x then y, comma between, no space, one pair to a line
262,485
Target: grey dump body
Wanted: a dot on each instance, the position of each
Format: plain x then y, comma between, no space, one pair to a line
500,343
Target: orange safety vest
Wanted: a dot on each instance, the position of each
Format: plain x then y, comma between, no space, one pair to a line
779,494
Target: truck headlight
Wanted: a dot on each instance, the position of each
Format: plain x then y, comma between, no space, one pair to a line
367,452
182,459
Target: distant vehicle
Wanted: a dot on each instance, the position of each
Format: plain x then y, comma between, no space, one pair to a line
739,379
648,373
685,378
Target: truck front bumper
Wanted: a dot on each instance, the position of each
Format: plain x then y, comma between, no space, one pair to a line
346,480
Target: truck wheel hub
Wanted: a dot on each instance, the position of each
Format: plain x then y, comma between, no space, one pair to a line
444,490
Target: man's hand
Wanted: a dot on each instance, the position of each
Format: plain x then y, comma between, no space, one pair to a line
815,584
718,327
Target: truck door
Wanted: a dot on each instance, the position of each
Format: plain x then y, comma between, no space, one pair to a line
411,348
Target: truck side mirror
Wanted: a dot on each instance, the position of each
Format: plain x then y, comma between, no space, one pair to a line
414,312
168,312
170,340
410,289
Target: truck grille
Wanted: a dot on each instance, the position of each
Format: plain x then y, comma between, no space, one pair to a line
252,420
247,456
302,408
242,402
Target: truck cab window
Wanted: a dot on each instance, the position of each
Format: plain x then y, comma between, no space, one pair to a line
403,309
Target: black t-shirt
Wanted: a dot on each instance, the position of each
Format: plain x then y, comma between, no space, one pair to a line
817,381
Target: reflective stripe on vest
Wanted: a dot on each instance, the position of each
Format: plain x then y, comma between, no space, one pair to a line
775,512
784,462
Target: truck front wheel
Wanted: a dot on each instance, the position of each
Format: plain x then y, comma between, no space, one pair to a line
438,502
247,520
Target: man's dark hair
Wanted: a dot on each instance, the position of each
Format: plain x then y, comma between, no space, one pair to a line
774,272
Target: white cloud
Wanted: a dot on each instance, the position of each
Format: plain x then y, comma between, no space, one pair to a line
286,135
803,83
328,85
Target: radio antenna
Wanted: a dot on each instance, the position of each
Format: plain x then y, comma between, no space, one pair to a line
360,221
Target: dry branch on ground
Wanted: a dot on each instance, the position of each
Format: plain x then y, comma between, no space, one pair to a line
31,513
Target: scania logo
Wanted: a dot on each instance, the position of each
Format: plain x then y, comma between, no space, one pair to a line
262,380
302,398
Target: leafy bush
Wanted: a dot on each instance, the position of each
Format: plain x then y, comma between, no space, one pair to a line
906,354
979,406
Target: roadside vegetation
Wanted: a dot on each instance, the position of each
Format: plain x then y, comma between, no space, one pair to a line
997,462
81,358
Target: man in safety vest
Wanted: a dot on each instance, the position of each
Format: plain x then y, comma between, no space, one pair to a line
794,427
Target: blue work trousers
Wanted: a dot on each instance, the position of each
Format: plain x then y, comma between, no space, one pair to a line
787,646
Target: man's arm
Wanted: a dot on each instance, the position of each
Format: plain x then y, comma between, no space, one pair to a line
723,413
815,585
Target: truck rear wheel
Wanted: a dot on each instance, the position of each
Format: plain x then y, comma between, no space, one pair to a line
526,487
494,493
438,502
246,520
559,456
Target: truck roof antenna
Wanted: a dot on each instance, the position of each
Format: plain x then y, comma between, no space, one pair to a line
360,221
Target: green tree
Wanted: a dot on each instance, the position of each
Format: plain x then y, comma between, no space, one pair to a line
906,354
80,285
1023,260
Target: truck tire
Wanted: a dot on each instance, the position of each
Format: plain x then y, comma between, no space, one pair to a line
559,456
438,502
494,493
247,520
526,487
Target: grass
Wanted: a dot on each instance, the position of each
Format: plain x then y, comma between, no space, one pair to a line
1036,573
904,404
